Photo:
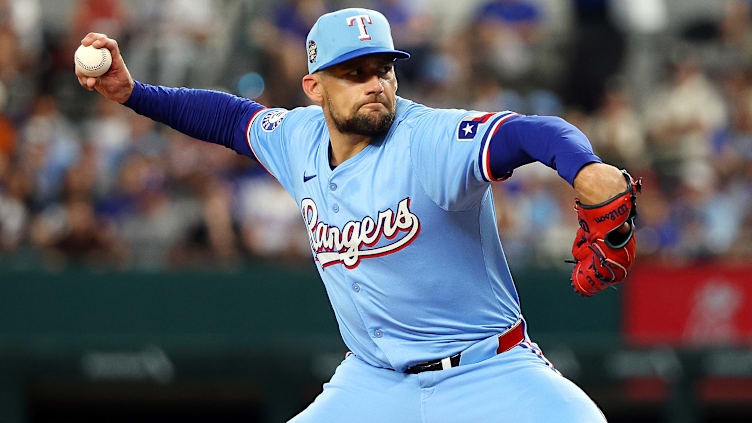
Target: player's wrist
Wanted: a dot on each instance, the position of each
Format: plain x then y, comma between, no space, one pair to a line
624,228
597,183
130,93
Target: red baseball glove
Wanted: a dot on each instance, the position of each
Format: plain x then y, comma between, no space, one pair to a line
602,255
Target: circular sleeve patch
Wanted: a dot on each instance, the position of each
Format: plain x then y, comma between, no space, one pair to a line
271,120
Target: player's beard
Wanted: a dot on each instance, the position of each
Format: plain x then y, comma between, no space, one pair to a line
362,124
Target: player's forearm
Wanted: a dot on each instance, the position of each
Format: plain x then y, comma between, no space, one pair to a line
207,115
547,139
561,146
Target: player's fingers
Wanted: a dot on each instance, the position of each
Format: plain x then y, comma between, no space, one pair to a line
98,40
90,83
109,44
83,81
91,37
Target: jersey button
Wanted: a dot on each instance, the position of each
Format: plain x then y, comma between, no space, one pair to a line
335,208
378,333
356,287
333,186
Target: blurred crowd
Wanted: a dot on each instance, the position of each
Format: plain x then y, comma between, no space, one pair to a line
661,87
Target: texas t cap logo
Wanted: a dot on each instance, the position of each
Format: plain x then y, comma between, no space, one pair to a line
362,20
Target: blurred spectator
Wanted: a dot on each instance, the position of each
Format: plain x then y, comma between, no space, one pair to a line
657,232
14,216
724,211
16,87
81,177
221,240
645,23
49,145
282,40
146,139
105,16
411,25
733,144
597,52
109,132
681,116
86,239
535,218
722,43
158,225
616,131
25,20
211,239
8,54
184,54
505,31
270,219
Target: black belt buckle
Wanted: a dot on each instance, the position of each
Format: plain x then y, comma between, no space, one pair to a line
430,366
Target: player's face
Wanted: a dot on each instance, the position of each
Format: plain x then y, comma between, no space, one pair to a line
360,94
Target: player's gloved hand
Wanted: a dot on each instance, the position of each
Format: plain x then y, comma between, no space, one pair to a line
602,253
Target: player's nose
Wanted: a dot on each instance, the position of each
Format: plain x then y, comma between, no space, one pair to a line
374,85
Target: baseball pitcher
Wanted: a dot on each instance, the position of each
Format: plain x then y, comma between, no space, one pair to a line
396,200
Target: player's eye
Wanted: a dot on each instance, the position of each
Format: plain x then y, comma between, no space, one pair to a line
354,72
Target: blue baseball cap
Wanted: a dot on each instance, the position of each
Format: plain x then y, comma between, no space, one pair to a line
346,34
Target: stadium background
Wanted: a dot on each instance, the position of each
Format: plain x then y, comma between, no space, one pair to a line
146,276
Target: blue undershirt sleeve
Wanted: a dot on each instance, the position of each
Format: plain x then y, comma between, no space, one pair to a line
207,115
547,139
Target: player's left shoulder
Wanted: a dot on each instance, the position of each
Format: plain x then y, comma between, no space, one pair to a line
476,125
452,124
425,121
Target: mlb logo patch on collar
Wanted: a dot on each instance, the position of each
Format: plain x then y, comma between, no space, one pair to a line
468,126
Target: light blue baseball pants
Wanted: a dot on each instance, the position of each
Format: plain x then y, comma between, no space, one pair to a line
516,386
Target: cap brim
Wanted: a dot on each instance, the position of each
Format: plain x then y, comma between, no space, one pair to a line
363,52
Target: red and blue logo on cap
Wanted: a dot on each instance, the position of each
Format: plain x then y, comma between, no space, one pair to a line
311,51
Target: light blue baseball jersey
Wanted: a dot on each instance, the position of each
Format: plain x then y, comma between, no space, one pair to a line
404,233
404,237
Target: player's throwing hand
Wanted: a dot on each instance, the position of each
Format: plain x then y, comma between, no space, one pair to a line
116,84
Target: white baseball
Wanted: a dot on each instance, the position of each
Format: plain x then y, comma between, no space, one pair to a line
92,61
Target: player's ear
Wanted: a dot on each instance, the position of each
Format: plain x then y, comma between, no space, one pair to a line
312,87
